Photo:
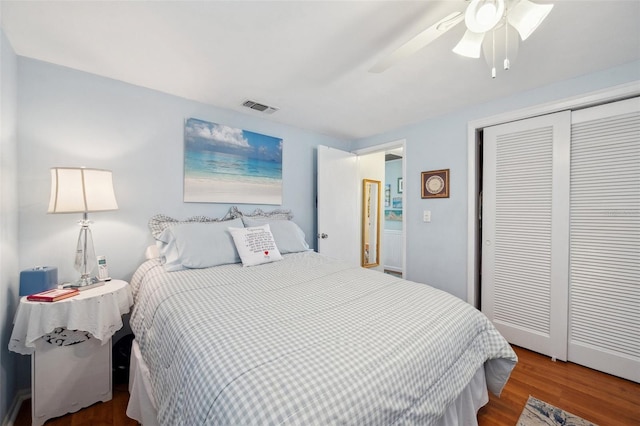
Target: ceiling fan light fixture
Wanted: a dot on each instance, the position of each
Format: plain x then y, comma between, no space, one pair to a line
518,17
526,16
486,13
470,45
483,15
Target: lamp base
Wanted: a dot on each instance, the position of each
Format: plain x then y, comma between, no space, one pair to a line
85,283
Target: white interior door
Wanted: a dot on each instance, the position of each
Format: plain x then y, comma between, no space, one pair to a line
525,223
604,308
338,216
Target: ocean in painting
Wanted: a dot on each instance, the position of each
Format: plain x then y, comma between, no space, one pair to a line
231,168
229,165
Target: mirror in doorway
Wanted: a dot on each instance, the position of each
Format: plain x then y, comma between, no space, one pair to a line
370,223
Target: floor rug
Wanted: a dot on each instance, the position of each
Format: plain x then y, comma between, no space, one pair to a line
539,413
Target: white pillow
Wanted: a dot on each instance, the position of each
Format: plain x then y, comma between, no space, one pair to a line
152,252
288,236
198,245
255,245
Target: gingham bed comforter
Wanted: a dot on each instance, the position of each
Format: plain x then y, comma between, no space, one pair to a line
307,340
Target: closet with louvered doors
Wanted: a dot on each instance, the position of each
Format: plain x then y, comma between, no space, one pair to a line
561,235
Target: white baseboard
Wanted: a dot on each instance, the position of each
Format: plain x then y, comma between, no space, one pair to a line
12,414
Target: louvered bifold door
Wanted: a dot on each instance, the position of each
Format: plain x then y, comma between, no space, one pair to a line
525,222
604,308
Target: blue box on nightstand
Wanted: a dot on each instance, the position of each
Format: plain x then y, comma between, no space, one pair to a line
40,278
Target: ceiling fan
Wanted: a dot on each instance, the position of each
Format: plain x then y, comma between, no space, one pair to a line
480,17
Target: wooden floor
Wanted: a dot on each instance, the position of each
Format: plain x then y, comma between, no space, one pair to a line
598,397
112,413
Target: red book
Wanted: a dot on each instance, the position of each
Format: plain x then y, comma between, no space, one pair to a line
53,295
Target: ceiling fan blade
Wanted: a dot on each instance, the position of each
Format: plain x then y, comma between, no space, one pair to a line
470,44
418,42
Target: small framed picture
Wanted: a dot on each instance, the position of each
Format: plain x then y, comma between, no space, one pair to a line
400,186
435,184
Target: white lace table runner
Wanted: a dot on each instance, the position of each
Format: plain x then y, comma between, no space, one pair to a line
97,311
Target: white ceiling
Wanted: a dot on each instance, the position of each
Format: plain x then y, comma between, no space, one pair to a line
311,59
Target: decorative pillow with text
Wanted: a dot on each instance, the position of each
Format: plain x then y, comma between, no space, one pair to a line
255,245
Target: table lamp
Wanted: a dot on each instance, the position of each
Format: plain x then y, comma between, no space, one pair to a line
82,190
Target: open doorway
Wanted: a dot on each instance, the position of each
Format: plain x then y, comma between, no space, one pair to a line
392,250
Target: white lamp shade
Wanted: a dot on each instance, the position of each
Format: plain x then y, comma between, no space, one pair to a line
526,16
79,190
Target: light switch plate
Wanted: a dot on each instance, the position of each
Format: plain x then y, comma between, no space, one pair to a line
426,216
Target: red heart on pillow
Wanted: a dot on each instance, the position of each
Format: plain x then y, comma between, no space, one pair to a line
266,252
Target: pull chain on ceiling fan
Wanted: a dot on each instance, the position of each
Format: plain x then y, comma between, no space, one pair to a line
480,17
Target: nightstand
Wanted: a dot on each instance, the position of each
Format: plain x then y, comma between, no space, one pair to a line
70,344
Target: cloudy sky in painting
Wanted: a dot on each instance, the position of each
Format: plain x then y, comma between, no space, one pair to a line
203,135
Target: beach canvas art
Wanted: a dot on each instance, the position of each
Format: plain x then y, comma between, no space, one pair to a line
224,164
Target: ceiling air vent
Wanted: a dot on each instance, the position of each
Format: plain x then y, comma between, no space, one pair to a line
260,107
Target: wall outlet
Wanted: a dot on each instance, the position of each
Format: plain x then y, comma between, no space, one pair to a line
426,216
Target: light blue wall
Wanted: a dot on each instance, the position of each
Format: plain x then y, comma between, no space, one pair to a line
72,118
393,171
437,251
9,275
66,117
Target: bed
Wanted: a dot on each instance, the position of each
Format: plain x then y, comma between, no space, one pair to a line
303,339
